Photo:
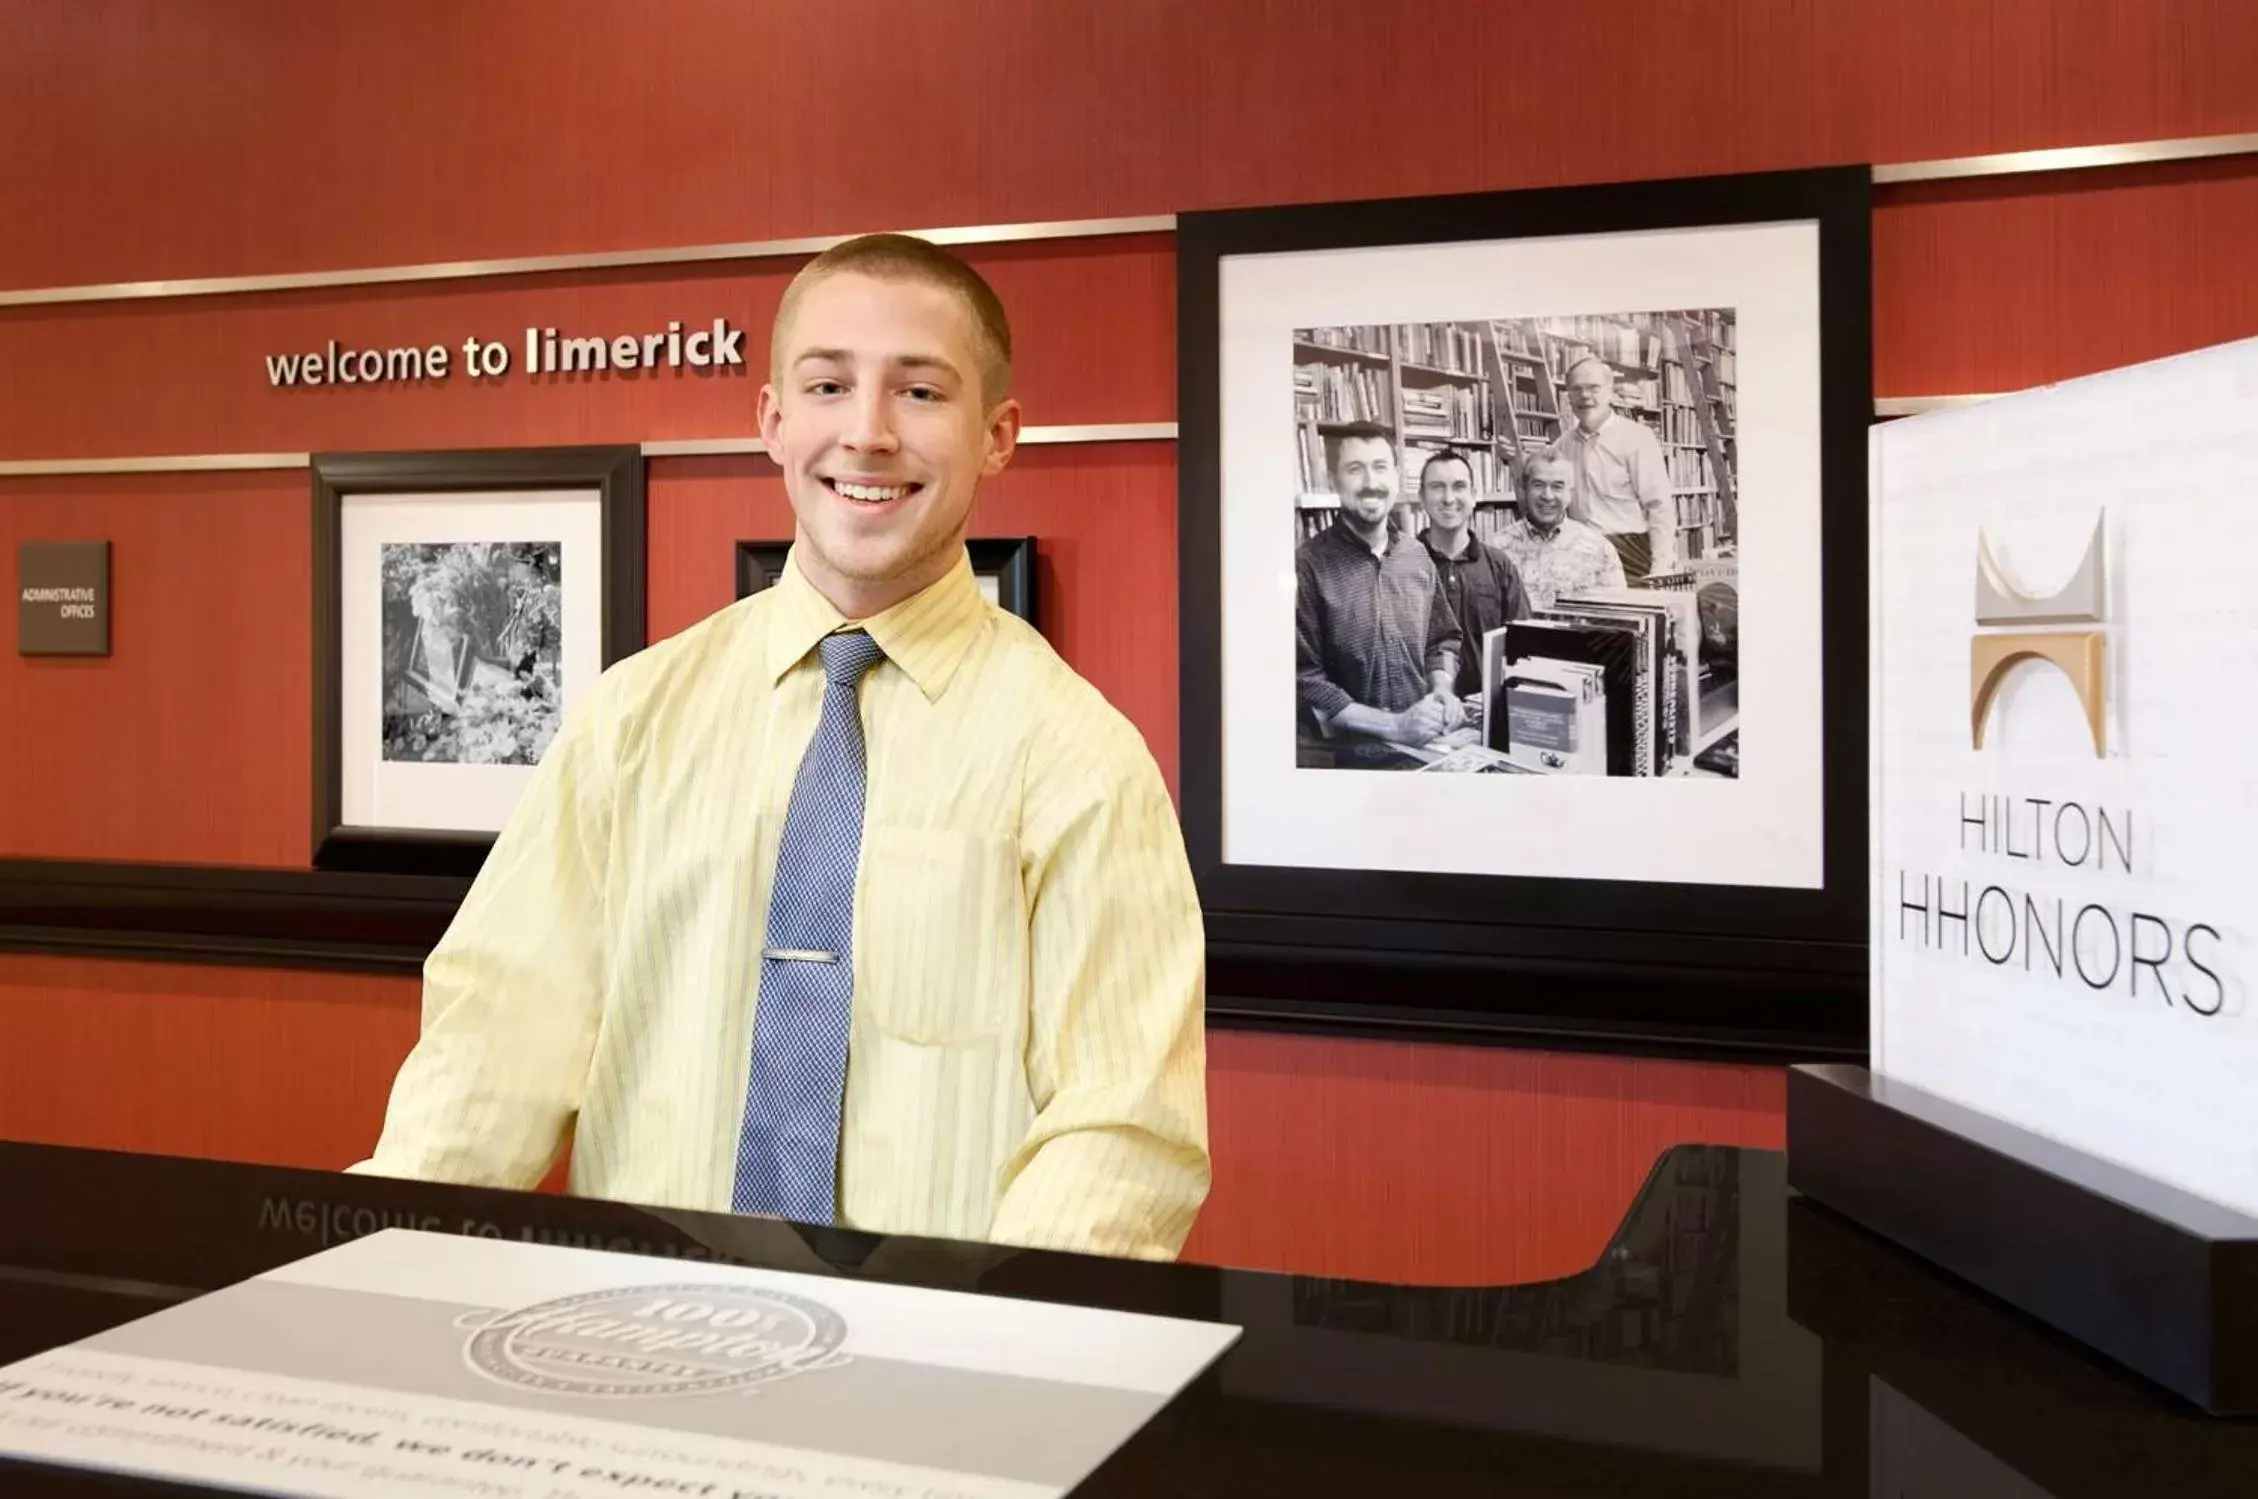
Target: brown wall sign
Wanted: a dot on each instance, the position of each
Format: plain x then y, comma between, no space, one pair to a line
63,598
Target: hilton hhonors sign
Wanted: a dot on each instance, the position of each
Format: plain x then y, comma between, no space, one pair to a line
2066,807
63,598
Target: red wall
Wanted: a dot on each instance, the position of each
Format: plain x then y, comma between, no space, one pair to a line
234,136
152,139
1444,1164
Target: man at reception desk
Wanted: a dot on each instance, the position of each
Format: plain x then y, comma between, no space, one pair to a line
851,904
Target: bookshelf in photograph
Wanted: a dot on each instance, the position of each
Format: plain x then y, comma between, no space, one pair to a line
1521,372
1494,391
1698,428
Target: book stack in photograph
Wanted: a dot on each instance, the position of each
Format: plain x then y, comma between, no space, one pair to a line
1608,681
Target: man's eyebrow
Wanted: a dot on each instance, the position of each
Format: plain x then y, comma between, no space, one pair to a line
899,361
925,362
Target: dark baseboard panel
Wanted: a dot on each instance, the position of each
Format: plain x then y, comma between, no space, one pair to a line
220,914
1559,1001
1736,1002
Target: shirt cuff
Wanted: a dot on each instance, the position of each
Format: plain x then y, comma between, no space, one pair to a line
1323,701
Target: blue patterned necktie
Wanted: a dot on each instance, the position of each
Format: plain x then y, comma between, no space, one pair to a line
788,1155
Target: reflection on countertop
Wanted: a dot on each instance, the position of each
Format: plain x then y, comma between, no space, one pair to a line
1731,1339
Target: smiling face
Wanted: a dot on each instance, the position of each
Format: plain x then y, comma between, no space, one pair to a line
1364,476
1544,492
1446,488
1591,391
877,416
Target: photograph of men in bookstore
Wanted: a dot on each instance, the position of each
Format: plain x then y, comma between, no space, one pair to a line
1517,546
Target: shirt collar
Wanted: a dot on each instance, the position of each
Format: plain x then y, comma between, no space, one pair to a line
1466,553
1345,536
926,634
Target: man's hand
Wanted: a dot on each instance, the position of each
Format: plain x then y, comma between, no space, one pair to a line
1422,722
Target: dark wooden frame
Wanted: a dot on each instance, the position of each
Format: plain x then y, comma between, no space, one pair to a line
615,472
1613,961
1010,560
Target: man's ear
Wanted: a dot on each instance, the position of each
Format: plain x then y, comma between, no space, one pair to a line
1003,437
768,416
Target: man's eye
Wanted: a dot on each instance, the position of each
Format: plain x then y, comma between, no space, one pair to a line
923,393
824,387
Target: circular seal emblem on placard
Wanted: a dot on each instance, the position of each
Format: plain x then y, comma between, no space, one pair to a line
656,1341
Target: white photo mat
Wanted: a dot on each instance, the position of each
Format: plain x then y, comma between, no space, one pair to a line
382,794
1764,828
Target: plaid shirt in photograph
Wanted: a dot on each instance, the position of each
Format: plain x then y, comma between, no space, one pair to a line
1571,556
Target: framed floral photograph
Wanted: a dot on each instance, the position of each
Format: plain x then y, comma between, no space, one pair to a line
1523,589
463,601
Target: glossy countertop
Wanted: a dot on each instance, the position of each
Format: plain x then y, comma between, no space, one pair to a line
1733,1339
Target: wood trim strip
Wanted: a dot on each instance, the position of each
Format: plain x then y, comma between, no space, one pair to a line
667,447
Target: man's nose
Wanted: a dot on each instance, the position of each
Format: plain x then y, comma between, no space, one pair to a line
872,427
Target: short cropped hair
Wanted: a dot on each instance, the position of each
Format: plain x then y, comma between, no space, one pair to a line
904,257
1370,431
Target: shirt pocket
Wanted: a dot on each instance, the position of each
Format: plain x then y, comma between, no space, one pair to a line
940,935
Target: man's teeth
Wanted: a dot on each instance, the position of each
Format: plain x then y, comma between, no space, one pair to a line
869,492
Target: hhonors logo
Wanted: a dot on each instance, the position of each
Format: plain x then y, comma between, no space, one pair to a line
656,1341
1993,902
2080,655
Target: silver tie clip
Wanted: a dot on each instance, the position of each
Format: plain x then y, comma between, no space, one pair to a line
799,955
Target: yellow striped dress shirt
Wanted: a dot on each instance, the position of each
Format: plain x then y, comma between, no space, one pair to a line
1026,1061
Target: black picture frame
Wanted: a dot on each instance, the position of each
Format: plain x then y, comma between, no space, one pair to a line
1608,962
1010,560
614,471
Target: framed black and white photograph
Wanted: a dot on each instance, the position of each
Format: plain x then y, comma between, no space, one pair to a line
462,603
1002,566
1560,471
1523,584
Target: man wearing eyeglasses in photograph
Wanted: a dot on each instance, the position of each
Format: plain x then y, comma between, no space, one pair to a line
1621,482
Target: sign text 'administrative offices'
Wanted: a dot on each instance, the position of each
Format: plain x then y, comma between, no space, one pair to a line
547,351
